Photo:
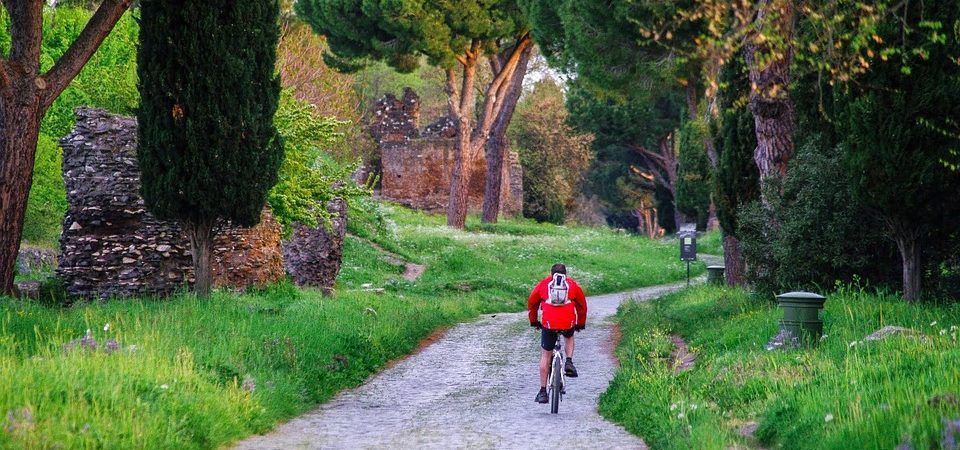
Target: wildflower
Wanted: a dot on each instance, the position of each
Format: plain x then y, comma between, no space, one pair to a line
680,415
823,337
164,387
111,346
249,384
88,342
673,407
943,332
106,327
951,428
934,323
693,406
852,344
828,418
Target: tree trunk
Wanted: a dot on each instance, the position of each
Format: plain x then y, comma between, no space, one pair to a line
735,267
907,243
25,95
496,146
201,249
20,117
770,103
460,106
459,177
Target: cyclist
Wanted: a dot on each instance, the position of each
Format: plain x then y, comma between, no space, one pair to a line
564,310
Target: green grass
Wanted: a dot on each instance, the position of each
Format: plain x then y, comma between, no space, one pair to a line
710,243
201,374
843,394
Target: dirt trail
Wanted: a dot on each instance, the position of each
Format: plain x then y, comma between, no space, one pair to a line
473,388
411,271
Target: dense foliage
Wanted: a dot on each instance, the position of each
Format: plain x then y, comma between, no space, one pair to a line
814,235
208,146
736,181
694,179
553,156
309,176
620,123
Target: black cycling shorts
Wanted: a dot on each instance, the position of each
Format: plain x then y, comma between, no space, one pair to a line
548,338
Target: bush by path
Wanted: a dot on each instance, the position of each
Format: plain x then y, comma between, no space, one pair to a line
846,393
183,373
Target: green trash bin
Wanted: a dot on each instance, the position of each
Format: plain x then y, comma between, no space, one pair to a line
715,274
801,316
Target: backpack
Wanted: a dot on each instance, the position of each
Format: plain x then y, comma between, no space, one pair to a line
558,290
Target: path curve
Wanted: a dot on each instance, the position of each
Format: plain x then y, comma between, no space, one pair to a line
473,388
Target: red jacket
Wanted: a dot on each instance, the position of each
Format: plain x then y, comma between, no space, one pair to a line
558,317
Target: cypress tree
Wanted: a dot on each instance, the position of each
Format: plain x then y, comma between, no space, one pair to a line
209,151
737,180
693,175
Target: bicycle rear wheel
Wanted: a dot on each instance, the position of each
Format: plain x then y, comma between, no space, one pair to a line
556,385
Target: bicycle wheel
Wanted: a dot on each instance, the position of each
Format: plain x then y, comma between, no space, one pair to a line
556,385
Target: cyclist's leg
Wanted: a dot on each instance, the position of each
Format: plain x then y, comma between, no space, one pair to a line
568,343
569,369
548,340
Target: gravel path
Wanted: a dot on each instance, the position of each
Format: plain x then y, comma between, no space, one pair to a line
473,388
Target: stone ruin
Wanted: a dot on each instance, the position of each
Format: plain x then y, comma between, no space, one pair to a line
416,165
312,256
111,245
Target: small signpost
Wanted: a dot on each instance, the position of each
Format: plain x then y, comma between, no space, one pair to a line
688,249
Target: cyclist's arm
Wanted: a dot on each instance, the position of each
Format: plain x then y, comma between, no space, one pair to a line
580,302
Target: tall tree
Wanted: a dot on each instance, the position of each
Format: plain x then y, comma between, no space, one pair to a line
450,35
553,155
614,47
25,95
634,135
209,150
496,147
736,181
769,55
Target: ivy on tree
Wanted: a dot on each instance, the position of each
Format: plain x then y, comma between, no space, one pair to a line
208,150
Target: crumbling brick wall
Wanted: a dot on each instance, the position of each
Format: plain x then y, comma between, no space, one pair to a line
111,245
416,165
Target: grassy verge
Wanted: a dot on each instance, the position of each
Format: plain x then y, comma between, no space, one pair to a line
184,373
845,393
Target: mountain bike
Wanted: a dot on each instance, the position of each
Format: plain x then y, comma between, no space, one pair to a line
555,384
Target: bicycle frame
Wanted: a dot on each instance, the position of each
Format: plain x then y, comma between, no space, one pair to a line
557,355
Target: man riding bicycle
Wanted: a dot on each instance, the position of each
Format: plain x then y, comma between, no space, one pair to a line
564,310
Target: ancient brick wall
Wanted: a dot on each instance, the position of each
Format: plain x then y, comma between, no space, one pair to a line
111,245
416,165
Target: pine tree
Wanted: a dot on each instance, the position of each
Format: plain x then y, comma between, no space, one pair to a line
208,148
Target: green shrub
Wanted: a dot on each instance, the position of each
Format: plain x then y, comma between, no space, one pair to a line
820,234
48,201
309,176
